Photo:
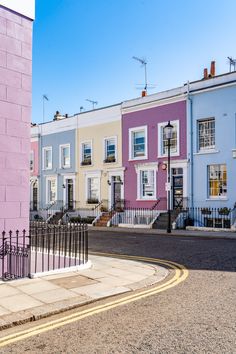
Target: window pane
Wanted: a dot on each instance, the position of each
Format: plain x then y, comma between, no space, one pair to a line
139,143
147,184
206,134
217,176
31,160
110,148
48,158
66,156
52,190
93,188
173,141
86,152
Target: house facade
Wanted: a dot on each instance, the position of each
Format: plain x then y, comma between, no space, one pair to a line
212,148
99,158
57,144
34,168
16,21
144,149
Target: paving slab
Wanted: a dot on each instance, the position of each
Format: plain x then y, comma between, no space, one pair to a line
31,299
19,302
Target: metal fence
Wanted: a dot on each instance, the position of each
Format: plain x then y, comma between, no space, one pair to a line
45,248
222,218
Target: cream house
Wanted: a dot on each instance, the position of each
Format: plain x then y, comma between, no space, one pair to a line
100,175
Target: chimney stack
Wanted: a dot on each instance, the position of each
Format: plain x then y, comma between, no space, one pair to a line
213,68
205,74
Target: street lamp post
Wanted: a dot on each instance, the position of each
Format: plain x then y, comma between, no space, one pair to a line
168,133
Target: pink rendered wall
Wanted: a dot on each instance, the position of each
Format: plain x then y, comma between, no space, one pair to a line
15,117
35,148
151,117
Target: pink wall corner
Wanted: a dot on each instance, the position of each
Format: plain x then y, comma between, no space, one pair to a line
15,118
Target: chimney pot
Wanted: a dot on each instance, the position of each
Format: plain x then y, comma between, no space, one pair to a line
144,93
205,73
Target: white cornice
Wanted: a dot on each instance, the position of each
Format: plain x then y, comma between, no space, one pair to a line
156,103
22,7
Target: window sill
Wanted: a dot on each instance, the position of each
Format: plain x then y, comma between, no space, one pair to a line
171,155
145,199
205,152
138,158
216,199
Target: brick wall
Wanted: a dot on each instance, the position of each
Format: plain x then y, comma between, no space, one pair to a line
15,117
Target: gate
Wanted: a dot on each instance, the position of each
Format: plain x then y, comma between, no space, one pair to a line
15,256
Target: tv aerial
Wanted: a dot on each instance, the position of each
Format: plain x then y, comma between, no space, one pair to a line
143,63
91,101
232,64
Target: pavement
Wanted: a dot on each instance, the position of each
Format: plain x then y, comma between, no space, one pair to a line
229,234
27,300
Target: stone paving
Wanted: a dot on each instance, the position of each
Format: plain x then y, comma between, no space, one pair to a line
30,299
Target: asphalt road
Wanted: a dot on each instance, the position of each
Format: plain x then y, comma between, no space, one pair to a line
197,316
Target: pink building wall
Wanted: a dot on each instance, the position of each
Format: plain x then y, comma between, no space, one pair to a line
34,146
15,117
151,117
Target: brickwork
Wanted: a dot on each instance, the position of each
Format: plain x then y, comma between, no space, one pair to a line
15,117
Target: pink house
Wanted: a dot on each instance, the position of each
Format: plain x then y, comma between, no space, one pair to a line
145,149
16,19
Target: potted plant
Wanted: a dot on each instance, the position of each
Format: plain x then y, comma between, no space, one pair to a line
92,201
224,211
206,211
110,159
103,208
86,162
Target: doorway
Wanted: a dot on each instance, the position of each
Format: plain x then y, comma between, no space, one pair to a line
116,192
177,188
35,196
70,194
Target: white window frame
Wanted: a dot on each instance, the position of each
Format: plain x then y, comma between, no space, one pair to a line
160,127
93,175
146,167
47,148
131,152
61,147
47,191
208,182
104,148
81,152
211,147
32,159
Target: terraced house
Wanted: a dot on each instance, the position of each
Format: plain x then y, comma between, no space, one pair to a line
111,164
99,158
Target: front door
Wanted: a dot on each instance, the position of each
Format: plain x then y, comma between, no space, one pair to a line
70,193
35,196
116,192
177,188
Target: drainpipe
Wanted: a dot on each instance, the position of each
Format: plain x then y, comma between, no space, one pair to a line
190,122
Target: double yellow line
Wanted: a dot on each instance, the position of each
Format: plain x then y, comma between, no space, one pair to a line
180,274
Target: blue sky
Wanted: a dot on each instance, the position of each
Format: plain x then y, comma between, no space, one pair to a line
82,49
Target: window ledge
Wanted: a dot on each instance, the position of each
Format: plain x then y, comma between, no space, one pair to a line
139,158
217,199
166,155
204,152
145,200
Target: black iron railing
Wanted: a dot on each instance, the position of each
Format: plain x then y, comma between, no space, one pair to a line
45,248
222,218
